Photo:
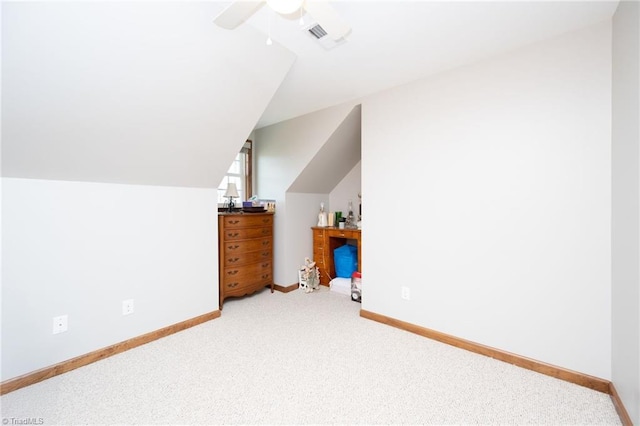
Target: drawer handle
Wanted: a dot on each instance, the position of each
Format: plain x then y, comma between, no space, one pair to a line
233,247
232,285
235,234
234,272
265,220
265,276
234,259
234,222
265,253
265,231
264,265
265,243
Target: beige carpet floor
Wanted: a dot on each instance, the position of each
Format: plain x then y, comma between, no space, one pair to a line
301,358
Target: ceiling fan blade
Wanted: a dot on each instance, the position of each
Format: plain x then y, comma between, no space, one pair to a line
236,13
328,18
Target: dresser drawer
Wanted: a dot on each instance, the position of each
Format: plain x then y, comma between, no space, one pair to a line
243,258
253,270
346,233
242,246
318,255
247,220
247,233
319,247
240,286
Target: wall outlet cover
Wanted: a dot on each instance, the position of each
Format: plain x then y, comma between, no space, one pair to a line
127,307
60,324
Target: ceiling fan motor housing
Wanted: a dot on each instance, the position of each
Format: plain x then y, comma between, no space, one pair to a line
285,6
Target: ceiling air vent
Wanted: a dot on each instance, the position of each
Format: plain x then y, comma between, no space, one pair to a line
318,33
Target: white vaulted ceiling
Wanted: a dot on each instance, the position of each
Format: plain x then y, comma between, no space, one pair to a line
395,42
155,93
130,92
338,155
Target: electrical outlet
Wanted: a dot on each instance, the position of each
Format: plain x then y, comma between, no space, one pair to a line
406,293
60,324
127,307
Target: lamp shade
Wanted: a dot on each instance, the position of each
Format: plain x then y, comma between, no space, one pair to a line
232,190
285,6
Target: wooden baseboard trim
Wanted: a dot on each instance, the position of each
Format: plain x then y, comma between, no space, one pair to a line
625,418
91,357
286,289
581,379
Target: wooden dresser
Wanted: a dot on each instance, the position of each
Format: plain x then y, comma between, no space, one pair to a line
325,240
245,253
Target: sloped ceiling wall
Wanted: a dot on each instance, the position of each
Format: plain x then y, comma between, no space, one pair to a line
335,159
130,92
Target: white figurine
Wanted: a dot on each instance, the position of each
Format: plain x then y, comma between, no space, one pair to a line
309,276
322,217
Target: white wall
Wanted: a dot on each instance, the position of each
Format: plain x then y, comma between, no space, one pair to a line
283,150
626,207
148,93
298,228
80,249
506,238
347,189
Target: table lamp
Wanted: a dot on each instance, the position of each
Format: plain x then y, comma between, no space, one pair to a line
231,193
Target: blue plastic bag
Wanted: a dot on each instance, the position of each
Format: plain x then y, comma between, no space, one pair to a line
345,259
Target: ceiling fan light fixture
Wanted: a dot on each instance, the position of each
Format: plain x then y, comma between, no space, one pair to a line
285,6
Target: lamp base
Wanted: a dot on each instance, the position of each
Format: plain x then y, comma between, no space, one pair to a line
231,205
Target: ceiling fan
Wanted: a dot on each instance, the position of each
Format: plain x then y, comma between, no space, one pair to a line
325,15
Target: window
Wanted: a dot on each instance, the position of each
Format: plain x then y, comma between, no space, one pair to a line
239,173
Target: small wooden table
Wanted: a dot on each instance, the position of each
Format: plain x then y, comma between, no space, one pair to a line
327,239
